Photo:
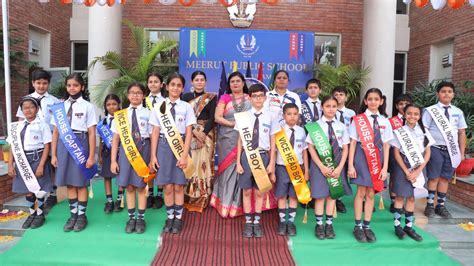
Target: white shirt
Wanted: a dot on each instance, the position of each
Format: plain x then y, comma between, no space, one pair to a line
37,134
384,125
342,135
267,126
83,114
184,115
456,118
347,114
143,116
400,116
310,101
275,103
300,143
418,136
44,113
159,98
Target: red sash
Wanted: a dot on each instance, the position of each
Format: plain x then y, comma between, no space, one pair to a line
372,155
396,122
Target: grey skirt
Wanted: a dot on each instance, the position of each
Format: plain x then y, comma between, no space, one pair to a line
168,173
44,181
106,160
400,184
319,185
360,164
68,172
127,175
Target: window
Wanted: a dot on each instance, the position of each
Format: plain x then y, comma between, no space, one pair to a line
79,57
326,49
167,61
402,8
399,79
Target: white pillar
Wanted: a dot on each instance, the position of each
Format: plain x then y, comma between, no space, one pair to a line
105,24
378,46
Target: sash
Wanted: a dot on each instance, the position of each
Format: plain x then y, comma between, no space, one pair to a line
411,150
22,163
257,167
173,136
199,105
148,103
326,155
306,113
444,126
129,146
372,155
106,134
70,141
293,167
396,122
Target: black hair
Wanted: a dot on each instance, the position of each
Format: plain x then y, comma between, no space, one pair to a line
382,107
40,74
313,81
241,76
77,77
282,71
142,88
403,98
174,76
325,99
110,97
35,101
420,121
160,77
444,84
289,106
257,88
196,73
339,89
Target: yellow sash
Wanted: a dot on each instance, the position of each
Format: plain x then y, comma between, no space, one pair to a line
148,103
293,167
257,167
128,144
173,136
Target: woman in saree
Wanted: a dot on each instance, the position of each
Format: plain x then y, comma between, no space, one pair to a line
226,196
199,188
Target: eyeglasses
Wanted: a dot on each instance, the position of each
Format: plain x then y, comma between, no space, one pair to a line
135,93
257,96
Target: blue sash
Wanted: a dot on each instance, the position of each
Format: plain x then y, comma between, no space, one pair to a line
306,114
106,134
70,141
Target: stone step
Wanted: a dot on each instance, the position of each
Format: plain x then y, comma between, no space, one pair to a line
16,204
463,256
6,245
451,236
12,228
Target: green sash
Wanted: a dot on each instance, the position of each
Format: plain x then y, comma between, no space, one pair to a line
324,150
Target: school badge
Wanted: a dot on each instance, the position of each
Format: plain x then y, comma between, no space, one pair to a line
241,14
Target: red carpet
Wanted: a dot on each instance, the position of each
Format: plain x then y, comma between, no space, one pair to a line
208,239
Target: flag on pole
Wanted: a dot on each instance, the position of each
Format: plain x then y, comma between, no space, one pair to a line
260,72
248,73
271,84
223,83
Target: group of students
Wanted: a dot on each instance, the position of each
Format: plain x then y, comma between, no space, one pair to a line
283,143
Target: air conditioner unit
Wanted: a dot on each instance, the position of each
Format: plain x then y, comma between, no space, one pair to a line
447,60
34,47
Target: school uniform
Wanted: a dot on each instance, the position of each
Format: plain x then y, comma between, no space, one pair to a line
268,125
275,103
83,116
401,186
319,184
440,162
127,175
360,162
346,114
169,173
44,113
37,134
156,99
106,156
283,185
311,110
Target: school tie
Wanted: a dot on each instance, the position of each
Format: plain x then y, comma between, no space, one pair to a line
377,135
333,142
69,111
341,116
135,129
22,134
154,100
173,111
315,112
110,122
292,137
446,113
255,132
39,100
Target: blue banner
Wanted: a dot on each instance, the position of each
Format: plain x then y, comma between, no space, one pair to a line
106,134
70,141
205,49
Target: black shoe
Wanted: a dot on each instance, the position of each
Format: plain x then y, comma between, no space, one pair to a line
359,234
38,221
168,226
319,232
130,226
140,226
28,221
291,229
429,211
281,228
257,230
340,207
329,232
149,202
442,211
158,203
69,226
411,233
177,226
117,207
109,207
369,235
399,232
49,203
81,223
248,230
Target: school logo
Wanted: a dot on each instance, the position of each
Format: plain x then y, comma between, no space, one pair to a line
180,119
35,137
241,13
79,115
265,130
142,124
299,145
247,45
